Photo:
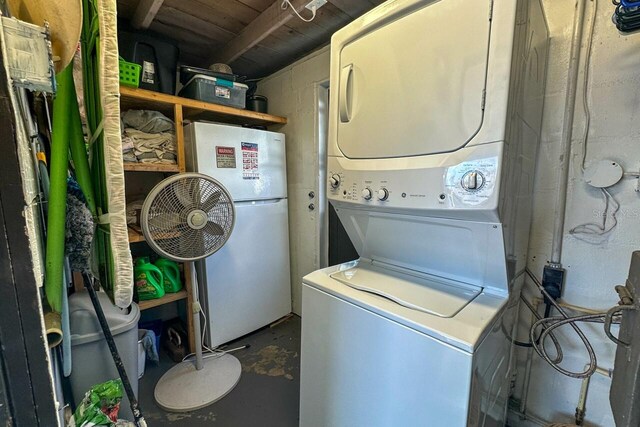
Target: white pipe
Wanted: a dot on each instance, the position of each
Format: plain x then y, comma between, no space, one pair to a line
567,133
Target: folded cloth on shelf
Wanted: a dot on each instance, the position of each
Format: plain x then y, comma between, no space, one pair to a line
146,121
148,147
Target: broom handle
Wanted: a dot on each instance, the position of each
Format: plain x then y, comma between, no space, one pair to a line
137,414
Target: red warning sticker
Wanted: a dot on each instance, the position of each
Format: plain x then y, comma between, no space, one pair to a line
226,157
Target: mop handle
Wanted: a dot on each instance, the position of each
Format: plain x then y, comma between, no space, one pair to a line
137,414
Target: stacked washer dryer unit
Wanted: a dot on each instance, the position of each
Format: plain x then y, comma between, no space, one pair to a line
434,127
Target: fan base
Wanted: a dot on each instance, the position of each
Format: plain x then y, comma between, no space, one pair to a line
183,388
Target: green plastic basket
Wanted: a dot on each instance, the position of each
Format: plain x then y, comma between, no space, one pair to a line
129,73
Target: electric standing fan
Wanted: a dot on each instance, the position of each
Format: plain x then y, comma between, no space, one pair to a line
185,218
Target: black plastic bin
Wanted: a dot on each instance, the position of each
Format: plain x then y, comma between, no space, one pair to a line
157,55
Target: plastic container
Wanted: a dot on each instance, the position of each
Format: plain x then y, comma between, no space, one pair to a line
187,72
258,103
157,326
170,274
214,90
157,57
129,73
92,361
148,279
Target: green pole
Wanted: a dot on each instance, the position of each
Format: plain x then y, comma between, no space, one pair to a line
58,192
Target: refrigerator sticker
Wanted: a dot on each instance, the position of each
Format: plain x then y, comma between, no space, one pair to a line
226,157
250,160
223,92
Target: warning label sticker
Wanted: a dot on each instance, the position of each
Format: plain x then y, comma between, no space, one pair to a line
250,161
226,157
148,72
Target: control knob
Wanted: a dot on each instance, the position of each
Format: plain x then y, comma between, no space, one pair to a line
367,194
472,180
334,181
383,194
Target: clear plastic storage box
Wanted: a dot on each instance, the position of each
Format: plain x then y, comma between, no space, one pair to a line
217,91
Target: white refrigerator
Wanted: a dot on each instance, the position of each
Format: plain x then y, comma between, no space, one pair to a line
246,284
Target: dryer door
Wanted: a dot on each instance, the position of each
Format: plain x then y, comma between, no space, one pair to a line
412,81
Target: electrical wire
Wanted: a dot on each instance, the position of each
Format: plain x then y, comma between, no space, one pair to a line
592,229
548,326
216,352
287,3
585,87
556,343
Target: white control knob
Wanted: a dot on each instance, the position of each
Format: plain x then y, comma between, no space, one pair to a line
367,194
472,180
334,181
383,194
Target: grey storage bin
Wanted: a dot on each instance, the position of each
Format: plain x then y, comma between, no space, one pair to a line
217,91
92,361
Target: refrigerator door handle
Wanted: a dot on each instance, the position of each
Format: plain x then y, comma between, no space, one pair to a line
259,202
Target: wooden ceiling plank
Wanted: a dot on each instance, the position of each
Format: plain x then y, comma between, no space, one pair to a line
259,5
268,21
353,8
211,13
145,12
205,28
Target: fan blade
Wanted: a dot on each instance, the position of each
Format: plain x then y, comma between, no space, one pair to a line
183,192
208,204
214,229
166,221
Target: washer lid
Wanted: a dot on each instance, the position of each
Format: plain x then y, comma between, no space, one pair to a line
439,297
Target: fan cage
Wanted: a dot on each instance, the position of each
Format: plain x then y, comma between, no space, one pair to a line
167,212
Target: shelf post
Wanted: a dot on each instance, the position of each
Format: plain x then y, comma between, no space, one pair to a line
179,126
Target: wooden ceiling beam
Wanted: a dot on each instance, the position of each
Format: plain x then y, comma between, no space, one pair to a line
145,12
266,23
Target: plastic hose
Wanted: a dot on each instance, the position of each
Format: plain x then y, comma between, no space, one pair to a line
58,192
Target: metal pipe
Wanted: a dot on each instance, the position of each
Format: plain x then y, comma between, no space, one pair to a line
567,133
581,408
527,370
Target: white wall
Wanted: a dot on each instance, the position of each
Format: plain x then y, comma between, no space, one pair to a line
292,93
592,269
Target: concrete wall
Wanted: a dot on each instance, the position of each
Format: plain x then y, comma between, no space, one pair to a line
292,93
592,268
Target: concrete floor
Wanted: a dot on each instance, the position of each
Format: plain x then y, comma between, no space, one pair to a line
268,393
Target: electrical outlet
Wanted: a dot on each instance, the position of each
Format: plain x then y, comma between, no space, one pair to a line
315,4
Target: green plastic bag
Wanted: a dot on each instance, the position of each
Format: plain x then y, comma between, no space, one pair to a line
100,405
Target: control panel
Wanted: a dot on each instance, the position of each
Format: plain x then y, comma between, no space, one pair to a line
466,185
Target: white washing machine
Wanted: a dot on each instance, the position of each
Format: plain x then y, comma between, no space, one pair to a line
435,116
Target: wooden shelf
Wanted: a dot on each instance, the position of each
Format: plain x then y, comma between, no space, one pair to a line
151,167
136,236
166,299
192,109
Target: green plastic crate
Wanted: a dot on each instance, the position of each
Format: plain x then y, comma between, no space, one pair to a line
129,73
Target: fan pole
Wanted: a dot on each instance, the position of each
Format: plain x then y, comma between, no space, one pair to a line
196,317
